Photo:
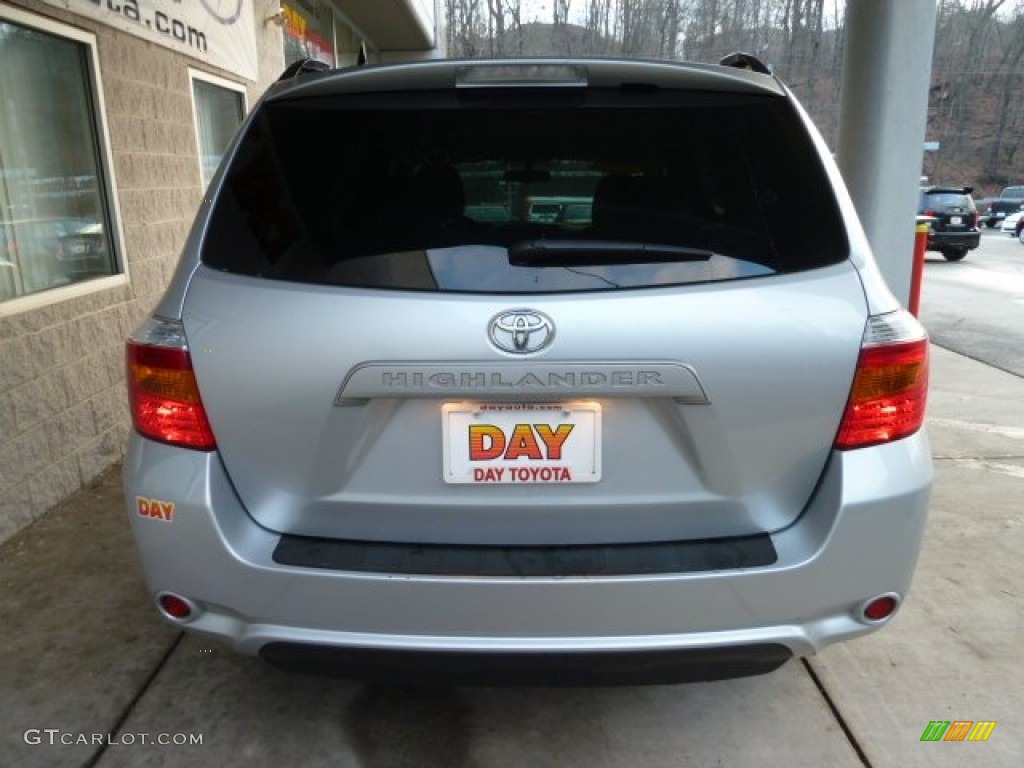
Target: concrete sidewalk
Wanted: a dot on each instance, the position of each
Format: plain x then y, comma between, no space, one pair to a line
82,651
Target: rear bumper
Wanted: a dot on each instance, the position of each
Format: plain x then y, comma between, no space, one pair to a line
858,538
938,241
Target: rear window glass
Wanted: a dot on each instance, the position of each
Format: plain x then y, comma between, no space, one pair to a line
524,192
945,200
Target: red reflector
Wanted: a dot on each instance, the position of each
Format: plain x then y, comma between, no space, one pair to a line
175,607
164,397
880,608
887,401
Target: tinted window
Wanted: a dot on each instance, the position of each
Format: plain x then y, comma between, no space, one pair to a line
947,200
433,191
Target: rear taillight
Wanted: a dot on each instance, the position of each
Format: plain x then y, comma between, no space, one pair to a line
890,388
162,389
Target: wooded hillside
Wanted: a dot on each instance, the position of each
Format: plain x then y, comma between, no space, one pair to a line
976,103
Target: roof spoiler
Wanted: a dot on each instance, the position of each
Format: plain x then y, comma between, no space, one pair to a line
748,61
303,67
955,190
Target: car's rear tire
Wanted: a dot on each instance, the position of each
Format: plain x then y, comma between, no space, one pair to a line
1020,234
956,254
991,224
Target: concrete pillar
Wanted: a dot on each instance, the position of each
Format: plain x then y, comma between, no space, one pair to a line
884,110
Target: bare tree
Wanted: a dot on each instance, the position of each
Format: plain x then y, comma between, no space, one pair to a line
560,11
464,26
597,25
1005,140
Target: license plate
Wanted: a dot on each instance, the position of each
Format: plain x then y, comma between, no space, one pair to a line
516,444
956,220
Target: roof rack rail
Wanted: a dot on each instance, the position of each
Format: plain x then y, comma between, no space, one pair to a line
741,60
303,67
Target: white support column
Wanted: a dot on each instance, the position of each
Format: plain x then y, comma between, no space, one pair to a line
886,76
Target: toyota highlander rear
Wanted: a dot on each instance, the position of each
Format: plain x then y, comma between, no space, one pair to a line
382,432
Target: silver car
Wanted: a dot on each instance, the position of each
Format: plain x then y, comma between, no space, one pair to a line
377,437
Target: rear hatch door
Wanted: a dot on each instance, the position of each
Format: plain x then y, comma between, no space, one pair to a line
718,407
684,348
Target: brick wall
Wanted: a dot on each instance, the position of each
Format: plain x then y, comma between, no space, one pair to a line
63,412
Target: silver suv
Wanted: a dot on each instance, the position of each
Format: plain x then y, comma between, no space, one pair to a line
377,437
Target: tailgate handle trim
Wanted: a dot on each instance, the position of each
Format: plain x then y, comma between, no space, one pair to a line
530,380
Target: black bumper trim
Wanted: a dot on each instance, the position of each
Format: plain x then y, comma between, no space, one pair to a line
597,668
968,240
555,561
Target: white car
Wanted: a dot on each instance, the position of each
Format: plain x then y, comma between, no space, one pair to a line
1011,224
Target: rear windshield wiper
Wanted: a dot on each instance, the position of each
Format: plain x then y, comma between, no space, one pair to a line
583,253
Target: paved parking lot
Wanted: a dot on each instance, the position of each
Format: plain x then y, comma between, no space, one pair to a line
84,659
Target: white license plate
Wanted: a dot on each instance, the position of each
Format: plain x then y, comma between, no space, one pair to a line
956,220
515,444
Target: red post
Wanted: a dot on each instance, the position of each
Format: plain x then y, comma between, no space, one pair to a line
920,244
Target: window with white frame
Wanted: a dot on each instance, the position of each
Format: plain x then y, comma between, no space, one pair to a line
220,109
56,222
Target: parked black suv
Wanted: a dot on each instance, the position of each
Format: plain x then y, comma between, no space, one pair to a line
953,220
1010,200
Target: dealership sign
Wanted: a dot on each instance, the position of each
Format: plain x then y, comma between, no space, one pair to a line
219,32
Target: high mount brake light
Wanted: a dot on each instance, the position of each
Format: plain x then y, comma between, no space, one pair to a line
521,73
162,389
890,388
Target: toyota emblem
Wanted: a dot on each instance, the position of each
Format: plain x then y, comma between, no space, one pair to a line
521,331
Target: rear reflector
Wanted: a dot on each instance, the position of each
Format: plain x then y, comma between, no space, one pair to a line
890,388
176,607
880,608
162,389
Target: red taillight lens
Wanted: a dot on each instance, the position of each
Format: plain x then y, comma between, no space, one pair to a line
890,389
164,397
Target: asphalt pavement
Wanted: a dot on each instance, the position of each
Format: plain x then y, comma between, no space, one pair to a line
90,677
976,306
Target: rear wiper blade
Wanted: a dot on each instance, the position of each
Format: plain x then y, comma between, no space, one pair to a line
584,253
